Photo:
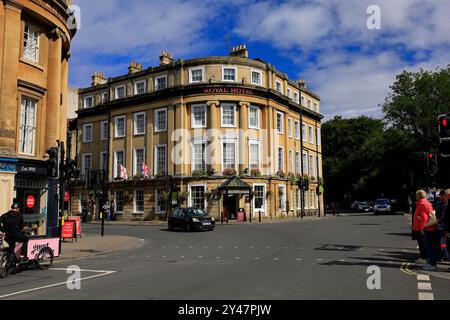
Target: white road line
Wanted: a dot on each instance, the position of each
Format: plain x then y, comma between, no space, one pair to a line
164,257
106,273
424,286
342,260
276,259
298,259
257,259
422,296
217,257
423,277
237,258
319,260
236,247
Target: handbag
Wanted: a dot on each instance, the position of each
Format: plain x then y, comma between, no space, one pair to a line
432,219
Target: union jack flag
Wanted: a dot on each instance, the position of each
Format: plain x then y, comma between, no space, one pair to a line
145,171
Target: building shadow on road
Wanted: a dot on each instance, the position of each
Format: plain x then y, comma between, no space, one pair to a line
338,247
400,234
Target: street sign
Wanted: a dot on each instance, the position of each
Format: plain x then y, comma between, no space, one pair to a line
68,230
31,202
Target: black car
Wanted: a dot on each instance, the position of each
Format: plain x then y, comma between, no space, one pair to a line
190,219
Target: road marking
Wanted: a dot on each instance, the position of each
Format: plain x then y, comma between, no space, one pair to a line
257,258
424,286
237,258
405,269
422,296
200,257
423,277
319,260
276,259
164,257
342,260
267,248
102,274
366,261
205,247
217,257
298,259
182,257
380,249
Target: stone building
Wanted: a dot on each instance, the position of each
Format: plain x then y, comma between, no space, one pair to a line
219,133
35,37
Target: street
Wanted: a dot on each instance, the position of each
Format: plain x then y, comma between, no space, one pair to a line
315,259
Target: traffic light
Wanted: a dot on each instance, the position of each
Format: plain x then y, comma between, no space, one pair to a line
444,126
52,163
71,170
444,135
431,162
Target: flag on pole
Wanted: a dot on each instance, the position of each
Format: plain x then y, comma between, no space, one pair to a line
145,172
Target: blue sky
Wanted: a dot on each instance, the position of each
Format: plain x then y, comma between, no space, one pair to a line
326,42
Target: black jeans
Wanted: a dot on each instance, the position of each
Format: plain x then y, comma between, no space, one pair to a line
431,240
13,240
418,237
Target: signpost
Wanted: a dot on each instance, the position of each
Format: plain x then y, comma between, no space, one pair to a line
31,202
68,230
77,221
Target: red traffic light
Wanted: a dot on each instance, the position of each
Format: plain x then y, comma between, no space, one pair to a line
430,155
444,122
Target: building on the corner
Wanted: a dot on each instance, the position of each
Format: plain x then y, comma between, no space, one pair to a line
219,133
35,39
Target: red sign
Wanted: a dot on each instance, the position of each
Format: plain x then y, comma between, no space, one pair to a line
78,224
240,216
68,230
31,201
66,196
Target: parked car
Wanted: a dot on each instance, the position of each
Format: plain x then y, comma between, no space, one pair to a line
382,206
364,206
190,219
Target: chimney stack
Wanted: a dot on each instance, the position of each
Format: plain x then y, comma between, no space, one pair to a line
302,83
239,51
134,67
98,78
165,58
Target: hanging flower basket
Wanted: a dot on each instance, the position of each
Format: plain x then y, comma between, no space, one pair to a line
229,172
255,173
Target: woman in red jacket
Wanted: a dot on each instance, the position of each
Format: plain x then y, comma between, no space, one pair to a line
429,234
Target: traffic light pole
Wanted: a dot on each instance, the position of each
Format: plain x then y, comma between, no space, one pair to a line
61,190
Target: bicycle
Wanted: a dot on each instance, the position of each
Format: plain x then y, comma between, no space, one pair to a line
40,252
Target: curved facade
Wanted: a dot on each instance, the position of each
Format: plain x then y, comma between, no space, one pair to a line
35,38
208,129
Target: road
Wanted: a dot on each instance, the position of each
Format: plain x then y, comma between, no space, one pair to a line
322,259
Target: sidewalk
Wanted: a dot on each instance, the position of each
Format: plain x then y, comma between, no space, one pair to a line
230,222
90,246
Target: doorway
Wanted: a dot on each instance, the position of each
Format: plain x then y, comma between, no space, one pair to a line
231,206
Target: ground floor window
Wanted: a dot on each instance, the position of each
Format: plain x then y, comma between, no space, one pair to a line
160,202
139,201
282,198
119,201
198,197
298,198
259,198
313,200
306,199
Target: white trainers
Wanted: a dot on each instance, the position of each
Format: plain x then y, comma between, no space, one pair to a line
429,267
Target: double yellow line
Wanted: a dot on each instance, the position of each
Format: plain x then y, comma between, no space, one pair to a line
405,268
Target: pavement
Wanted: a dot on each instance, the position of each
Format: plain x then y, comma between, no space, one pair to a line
332,258
90,245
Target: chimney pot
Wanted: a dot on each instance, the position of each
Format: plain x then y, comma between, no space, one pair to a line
239,51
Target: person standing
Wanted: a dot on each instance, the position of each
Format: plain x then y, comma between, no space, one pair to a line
428,235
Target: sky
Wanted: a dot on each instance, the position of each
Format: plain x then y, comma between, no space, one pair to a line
326,42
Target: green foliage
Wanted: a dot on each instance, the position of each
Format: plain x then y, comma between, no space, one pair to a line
366,158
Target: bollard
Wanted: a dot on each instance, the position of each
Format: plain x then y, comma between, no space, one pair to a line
259,216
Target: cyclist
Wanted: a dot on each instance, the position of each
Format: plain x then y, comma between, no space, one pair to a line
11,223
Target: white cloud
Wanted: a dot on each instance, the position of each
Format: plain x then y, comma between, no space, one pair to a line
352,81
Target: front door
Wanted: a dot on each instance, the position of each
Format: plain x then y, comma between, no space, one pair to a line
231,205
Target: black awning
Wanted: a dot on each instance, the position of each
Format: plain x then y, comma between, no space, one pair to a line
236,186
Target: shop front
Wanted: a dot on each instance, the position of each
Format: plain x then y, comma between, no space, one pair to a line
26,183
